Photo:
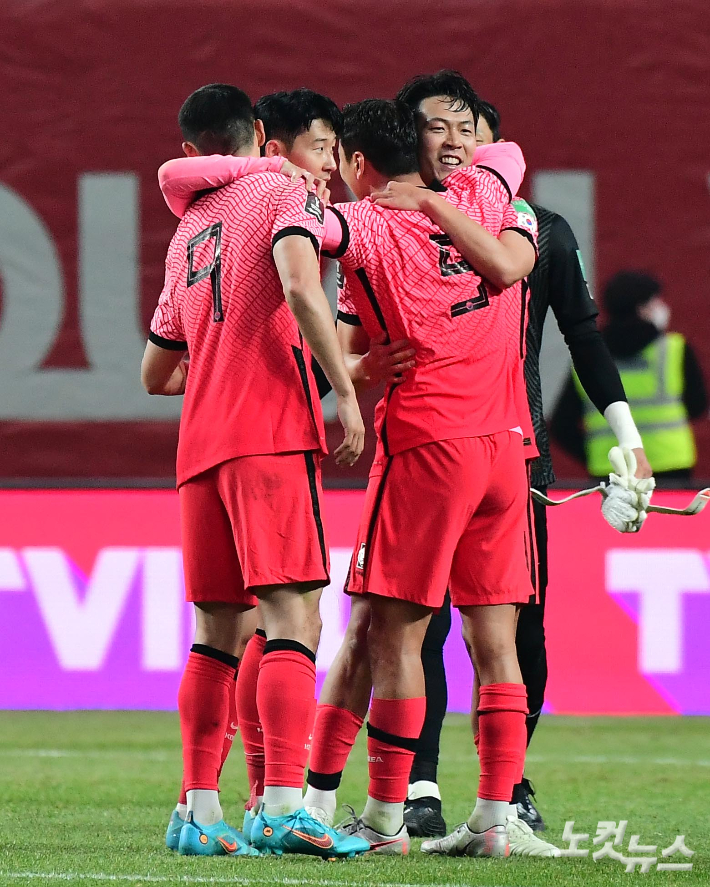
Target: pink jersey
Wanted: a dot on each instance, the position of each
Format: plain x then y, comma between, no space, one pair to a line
250,389
404,277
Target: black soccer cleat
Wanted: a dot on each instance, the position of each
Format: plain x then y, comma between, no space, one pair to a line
523,793
423,818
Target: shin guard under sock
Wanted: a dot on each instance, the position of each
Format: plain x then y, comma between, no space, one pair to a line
203,703
232,724
392,735
334,735
285,692
501,750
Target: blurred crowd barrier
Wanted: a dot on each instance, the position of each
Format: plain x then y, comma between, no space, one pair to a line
601,94
92,613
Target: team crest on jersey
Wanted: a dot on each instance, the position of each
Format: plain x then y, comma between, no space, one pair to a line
360,564
315,208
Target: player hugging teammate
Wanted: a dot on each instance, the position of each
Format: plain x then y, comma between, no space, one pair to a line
433,252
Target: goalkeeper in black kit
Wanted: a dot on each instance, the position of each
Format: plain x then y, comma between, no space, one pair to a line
557,282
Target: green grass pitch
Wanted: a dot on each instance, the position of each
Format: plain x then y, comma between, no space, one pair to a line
86,797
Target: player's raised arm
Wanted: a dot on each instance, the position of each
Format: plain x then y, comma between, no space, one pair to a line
502,260
182,178
297,265
504,159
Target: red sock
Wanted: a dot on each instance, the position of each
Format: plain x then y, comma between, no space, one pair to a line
311,725
249,723
501,751
203,703
334,735
287,685
232,724
393,731
183,794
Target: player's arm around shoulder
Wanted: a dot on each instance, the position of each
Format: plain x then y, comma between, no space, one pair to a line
503,260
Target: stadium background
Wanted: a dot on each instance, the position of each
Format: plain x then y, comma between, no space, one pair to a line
616,136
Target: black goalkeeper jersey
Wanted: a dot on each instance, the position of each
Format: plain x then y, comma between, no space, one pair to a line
558,281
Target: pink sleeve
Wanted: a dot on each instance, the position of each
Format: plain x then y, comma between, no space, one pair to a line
337,234
166,328
506,160
182,178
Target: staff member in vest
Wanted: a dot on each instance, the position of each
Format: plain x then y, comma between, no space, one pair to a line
661,376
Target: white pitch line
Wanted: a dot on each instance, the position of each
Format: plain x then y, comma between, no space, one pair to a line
619,759
95,754
141,754
532,758
196,879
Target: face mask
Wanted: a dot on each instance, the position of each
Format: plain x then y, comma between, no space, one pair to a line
660,316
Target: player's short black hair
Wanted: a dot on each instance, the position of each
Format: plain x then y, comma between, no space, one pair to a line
491,115
384,132
444,83
286,115
217,119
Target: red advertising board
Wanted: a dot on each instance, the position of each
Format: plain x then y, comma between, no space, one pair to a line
612,90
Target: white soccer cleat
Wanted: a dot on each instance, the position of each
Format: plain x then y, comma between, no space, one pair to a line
388,845
524,842
464,842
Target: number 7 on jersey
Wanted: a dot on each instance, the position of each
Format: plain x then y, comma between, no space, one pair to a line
213,268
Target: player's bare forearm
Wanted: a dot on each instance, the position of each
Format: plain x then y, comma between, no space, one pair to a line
297,266
309,306
353,363
372,361
502,260
163,371
312,312
354,343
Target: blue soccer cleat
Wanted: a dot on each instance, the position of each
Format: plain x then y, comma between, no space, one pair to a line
172,835
219,839
300,833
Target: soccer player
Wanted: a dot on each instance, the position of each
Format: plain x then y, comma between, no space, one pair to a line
558,282
433,429
242,293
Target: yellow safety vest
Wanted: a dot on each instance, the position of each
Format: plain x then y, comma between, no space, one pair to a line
653,381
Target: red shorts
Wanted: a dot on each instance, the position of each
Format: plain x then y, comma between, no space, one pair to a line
253,521
448,514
